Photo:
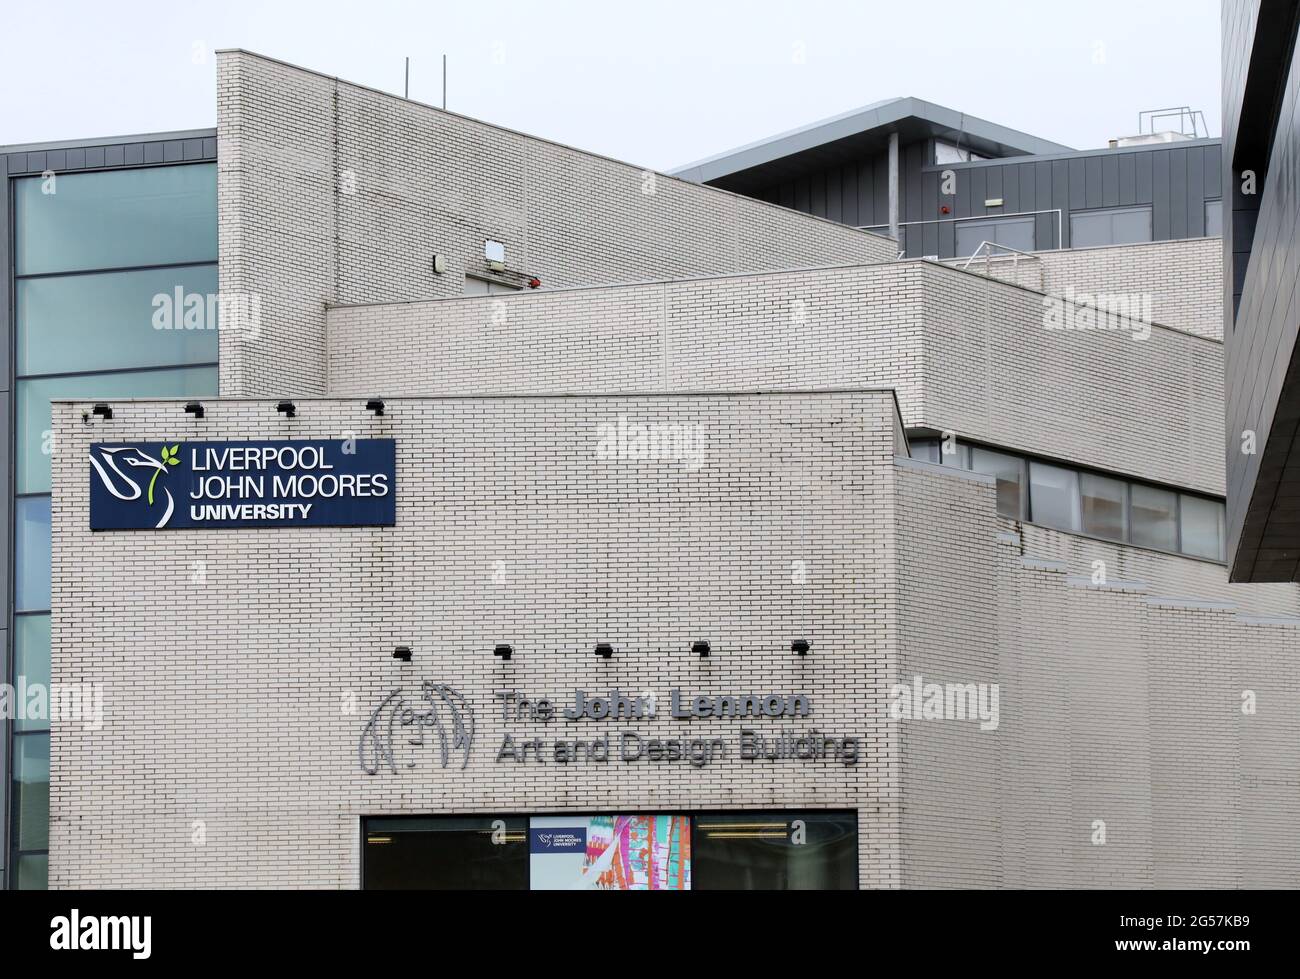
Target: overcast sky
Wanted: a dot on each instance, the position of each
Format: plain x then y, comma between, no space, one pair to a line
657,84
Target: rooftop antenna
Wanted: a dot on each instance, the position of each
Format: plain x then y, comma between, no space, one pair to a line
444,82
406,91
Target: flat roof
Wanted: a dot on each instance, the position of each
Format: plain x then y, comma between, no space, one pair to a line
854,134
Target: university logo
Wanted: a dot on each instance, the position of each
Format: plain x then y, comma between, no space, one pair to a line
399,730
122,468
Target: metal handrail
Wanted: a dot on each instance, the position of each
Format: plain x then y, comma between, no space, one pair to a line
1016,252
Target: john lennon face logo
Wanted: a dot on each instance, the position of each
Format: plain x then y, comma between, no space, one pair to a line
399,728
125,485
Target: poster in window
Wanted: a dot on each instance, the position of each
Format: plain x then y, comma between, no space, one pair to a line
610,853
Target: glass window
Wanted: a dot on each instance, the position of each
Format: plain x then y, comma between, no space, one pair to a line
1154,517
945,152
641,852
925,450
1017,233
31,789
32,553
105,321
116,219
775,851
954,453
33,872
1104,506
1201,521
34,397
32,652
446,853
1010,474
1054,496
1214,219
1115,226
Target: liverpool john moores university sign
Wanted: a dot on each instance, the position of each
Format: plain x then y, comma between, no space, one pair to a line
185,485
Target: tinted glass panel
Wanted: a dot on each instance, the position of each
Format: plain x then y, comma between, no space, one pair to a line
1017,233
32,553
954,453
1010,474
453,853
32,790
1104,509
1054,496
1214,219
107,321
1121,226
926,450
1154,517
775,851
33,872
116,219
34,397
32,651
1202,527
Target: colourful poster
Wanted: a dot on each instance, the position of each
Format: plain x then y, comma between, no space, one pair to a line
610,853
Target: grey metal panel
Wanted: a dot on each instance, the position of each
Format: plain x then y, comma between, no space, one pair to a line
1127,166
1143,164
913,158
835,194
1061,195
1177,193
1213,157
1045,225
817,194
866,193
971,194
993,185
802,194
1076,185
1160,195
1091,182
849,196
879,192
1110,181
6,522
1195,196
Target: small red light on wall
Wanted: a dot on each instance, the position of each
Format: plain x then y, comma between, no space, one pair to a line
944,209
534,282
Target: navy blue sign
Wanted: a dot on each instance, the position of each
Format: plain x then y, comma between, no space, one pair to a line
557,839
186,485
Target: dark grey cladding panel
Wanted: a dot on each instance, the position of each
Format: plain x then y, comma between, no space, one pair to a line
111,154
1261,87
1175,179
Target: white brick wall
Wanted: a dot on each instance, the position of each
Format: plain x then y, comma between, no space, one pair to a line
965,353
1184,278
333,192
224,700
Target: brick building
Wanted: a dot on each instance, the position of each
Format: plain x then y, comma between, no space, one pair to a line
853,567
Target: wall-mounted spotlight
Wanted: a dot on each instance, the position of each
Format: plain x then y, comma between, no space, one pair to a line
287,408
800,647
504,651
604,650
103,411
439,264
402,653
194,408
700,647
375,405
